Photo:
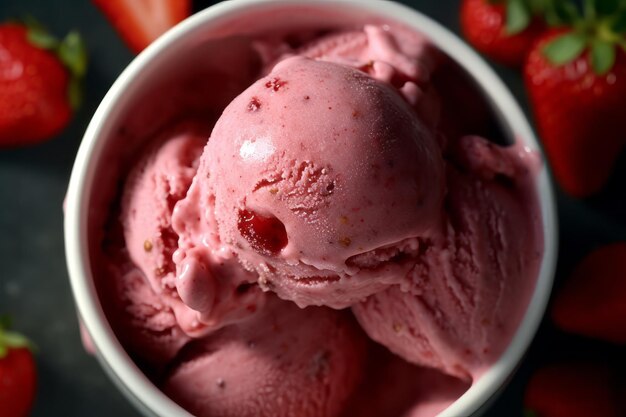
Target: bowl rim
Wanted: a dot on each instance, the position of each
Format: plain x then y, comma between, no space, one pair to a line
120,367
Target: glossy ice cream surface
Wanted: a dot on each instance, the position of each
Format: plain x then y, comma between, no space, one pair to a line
292,140
347,175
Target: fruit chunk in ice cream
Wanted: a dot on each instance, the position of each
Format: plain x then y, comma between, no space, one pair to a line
318,176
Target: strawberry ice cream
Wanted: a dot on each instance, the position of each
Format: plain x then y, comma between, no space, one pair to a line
303,211
283,362
158,181
255,355
142,321
346,180
339,194
393,387
457,309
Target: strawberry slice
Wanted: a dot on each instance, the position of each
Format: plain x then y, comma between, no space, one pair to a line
139,22
592,303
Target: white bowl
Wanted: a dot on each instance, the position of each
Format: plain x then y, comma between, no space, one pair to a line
162,59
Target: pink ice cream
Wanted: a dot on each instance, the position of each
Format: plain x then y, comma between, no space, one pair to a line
158,181
347,176
145,325
393,387
459,306
257,355
329,178
283,362
303,211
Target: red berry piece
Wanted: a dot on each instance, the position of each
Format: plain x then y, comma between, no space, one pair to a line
275,84
254,104
266,235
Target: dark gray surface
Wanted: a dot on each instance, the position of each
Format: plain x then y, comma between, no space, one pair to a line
33,279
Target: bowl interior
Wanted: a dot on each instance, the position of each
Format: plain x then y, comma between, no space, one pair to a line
196,69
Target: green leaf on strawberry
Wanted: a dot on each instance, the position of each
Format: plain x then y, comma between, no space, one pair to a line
518,16
71,51
73,54
11,340
602,56
38,34
503,30
599,29
565,48
42,39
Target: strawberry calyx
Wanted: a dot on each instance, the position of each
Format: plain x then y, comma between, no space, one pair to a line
529,413
520,13
10,339
599,28
70,50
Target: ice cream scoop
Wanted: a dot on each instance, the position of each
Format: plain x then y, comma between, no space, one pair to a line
143,322
459,306
283,362
317,176
337,179
159,179
392,387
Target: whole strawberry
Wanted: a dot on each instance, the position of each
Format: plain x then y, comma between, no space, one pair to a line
572,390
18,375
503,30
593,301
576,79
39,83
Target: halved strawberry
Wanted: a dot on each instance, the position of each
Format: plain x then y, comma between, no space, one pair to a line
139,22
